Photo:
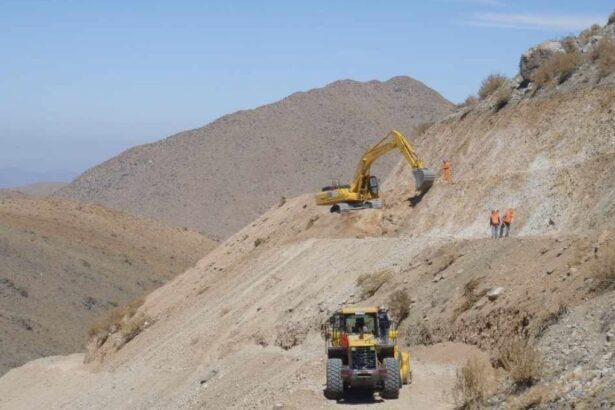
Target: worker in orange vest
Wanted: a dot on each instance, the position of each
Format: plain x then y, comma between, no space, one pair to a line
446,170
506,221
494,221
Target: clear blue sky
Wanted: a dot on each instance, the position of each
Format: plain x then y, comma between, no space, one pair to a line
82,80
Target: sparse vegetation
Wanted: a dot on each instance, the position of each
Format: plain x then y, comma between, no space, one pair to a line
611,18
133,327
490,85
399,305
369,283
604,273
116,319
472,385
502,97
570,44
470,101
311,222
418,334
258,242
522,361
470,296
422,127
552,318
590,32
282,201
557,68
533,397
603,54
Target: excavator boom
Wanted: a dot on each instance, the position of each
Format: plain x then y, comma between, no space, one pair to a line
363,190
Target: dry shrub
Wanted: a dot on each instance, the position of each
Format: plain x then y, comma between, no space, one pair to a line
560,66
369,283
590,32
115,319
130,328
490,85
603,54
422,127
470,101
282,201
502,97
418,334
533,397
258,242
570,44
551,319
612,18
399,305
522,361
472,384
311,221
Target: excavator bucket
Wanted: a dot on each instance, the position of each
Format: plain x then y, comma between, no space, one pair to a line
424,179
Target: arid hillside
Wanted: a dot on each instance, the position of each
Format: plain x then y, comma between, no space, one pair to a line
38,189
65,264
242,328
218,178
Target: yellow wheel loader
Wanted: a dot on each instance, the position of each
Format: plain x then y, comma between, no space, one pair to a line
363,352
362,192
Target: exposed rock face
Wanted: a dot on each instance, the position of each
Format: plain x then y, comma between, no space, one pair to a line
535,56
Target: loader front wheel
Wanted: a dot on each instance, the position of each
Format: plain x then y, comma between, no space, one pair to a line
335,384
392,381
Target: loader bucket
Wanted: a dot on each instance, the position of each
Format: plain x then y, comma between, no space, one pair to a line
424,179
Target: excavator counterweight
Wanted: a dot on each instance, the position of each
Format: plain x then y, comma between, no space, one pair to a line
363,191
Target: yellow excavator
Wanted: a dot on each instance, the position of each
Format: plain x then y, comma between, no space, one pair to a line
363,192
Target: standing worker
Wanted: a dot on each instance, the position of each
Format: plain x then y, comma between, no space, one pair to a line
494,221
446,170
506,221
384,324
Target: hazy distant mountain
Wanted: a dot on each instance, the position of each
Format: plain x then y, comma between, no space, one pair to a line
15,177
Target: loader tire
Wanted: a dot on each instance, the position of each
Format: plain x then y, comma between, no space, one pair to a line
393,379
335,384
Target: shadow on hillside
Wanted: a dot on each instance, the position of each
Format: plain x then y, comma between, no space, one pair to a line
358,396
414,200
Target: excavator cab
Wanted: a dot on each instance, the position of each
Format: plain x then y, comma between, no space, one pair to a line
372,185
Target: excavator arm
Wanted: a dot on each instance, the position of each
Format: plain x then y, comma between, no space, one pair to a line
363,190
393,140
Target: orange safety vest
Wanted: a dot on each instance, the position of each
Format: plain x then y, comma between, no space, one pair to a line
495,218
508,216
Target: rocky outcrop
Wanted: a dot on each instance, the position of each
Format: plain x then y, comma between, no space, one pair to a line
536,56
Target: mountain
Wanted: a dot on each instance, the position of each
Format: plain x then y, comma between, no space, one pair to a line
218,178
65,264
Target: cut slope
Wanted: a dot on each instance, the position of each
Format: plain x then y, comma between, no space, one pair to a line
63,264
218,178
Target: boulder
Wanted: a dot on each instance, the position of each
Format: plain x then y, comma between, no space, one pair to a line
495,293
536,56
